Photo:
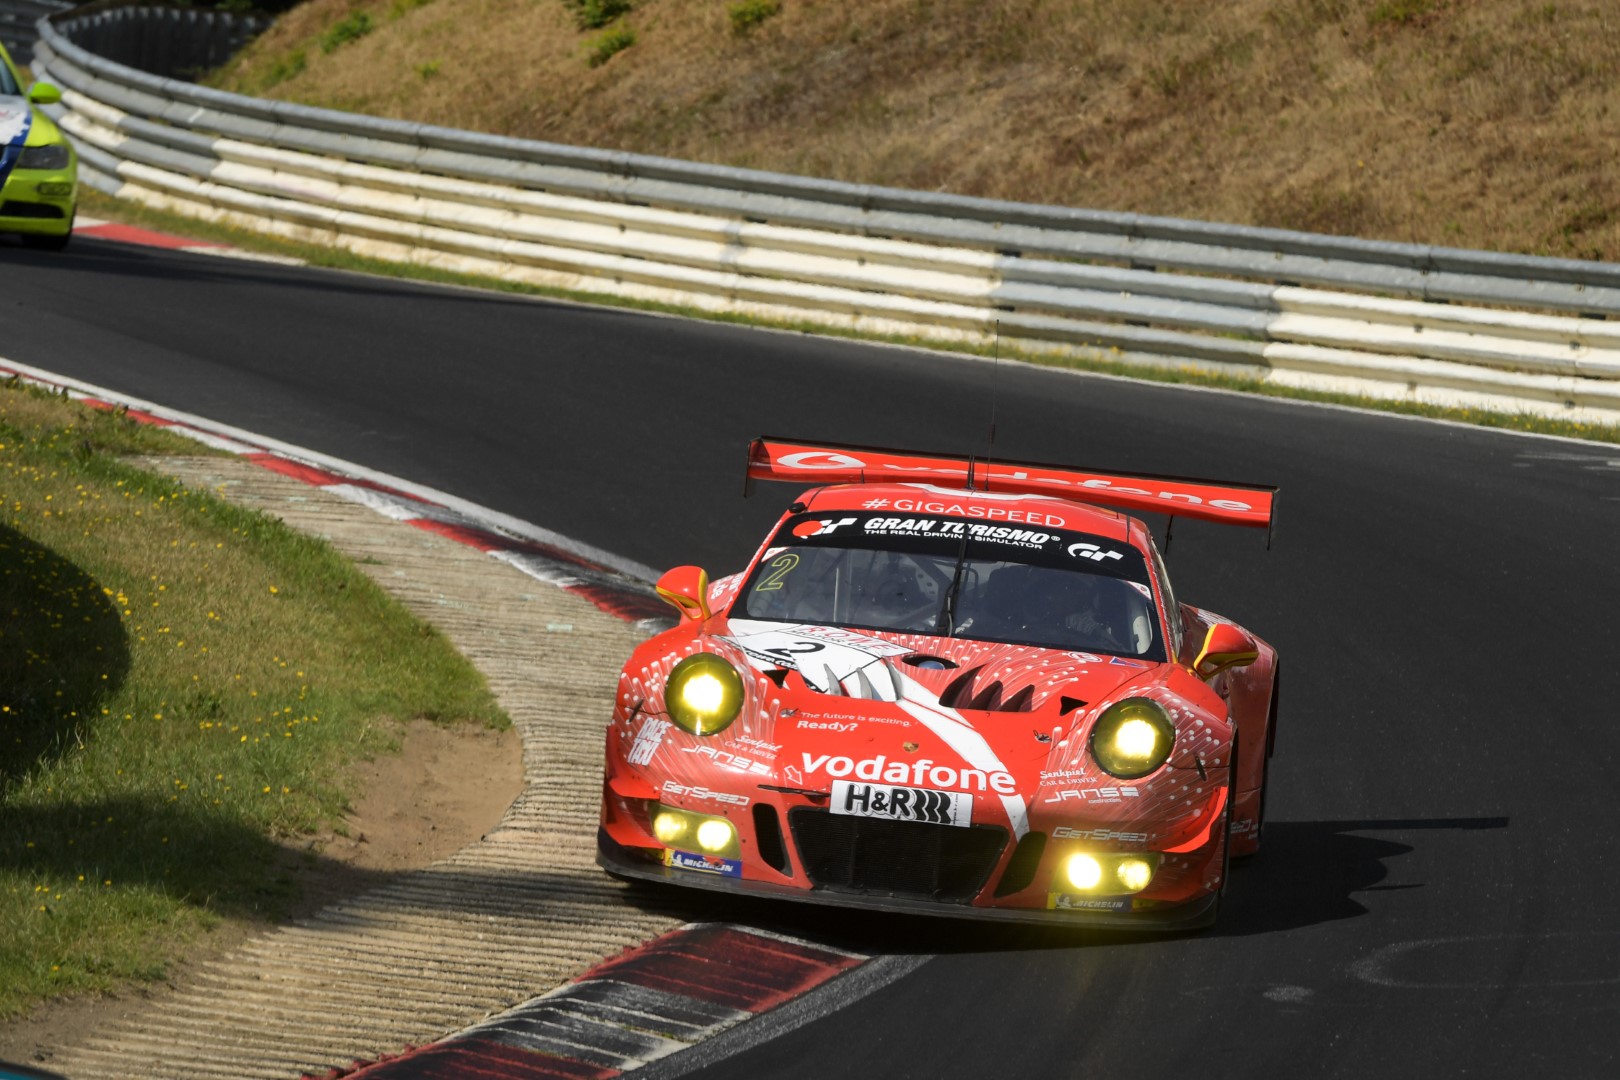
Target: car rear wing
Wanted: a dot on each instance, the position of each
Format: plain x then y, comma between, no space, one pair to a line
771,458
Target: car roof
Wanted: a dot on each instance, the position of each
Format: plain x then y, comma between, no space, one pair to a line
991,507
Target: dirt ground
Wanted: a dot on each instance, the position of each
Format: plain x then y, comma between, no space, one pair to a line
445,789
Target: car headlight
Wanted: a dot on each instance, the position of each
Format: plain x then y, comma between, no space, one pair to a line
703,694
50,158
1132,738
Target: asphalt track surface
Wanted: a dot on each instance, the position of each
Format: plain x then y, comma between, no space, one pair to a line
1437,895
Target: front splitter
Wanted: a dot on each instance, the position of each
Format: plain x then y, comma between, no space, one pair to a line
1195,915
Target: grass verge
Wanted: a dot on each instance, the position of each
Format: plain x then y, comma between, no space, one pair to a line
100,205
184,686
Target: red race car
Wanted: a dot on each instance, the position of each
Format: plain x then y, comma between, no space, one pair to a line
951,687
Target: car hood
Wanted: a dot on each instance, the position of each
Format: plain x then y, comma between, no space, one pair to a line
16,119
894,708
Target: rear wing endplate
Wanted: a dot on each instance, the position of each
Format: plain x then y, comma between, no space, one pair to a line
771,458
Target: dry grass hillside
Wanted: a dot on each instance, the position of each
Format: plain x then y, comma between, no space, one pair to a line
1478,123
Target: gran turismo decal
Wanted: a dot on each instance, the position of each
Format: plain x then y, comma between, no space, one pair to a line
1081,550
902,803
682,791
648,740
916,773
1001,534
820,527
707,864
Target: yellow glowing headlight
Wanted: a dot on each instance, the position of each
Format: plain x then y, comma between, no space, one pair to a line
669,827
715,835
1133,873
703,694
1132,738
1083,871
1108,873
687,831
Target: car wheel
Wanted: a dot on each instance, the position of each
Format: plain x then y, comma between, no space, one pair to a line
47,243
1226,820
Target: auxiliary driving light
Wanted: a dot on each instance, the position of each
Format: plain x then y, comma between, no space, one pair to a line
1132,738
1109,874
703,694
715,835
685,831
1084,871
1133,873
669,826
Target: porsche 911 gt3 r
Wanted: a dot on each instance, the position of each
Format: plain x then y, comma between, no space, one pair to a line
949,687
39,173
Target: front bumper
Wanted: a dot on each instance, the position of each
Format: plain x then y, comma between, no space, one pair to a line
39,202
616,859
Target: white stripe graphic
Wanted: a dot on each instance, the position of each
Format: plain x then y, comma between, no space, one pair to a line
968,744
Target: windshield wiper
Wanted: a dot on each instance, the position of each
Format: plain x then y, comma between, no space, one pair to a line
946,621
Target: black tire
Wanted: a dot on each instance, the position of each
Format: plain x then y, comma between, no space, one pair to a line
47,243
1226,819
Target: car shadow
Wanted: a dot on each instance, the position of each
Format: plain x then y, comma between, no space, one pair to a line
1311,872
63,651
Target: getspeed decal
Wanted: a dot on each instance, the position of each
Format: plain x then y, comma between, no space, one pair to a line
15,121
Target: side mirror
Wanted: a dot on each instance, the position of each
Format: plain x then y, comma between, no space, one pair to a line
687,589
1225,646
43,93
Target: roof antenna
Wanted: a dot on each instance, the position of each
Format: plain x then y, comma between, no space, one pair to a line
995,370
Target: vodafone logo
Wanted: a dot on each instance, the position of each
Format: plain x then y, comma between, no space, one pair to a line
820,528
820,459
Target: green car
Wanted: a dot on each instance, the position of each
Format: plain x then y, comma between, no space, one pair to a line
39,173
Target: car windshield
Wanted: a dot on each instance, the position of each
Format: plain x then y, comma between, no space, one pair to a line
8,85
988,581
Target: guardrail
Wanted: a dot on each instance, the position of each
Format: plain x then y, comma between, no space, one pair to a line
17,19
874,258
